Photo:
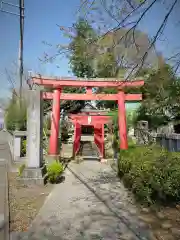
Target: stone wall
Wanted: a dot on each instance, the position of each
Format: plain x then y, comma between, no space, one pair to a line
10,140
168,129
14,141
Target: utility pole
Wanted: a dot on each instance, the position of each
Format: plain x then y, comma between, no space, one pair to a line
20,14
21,45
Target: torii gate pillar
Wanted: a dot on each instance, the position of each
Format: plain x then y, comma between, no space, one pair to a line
55,117
122,120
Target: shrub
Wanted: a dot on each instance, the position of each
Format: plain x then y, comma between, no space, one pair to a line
23,147
64,132
151,172
15,118
45,137
54,171
21,169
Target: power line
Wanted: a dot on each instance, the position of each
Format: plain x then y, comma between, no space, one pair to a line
6,4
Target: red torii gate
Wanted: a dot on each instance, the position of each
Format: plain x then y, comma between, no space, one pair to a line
97,121
58,95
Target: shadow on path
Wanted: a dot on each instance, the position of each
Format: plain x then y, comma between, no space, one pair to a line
133,226
91,204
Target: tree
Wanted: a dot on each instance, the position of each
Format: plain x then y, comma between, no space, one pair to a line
80,55
80,60
125,17
15,116
161,101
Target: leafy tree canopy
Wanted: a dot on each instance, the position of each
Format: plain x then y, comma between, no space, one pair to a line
80,60
161,97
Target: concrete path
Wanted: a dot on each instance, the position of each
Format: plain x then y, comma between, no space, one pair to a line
5,162
90,204
4,147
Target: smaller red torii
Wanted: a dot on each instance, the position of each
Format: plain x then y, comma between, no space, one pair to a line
97,122
58,95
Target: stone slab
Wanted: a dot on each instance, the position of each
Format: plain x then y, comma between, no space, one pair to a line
20,133
32,176
34,129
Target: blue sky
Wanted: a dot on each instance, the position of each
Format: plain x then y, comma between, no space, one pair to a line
40,25
41,18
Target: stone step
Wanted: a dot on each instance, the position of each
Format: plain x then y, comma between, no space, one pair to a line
18,235
95,158
88,151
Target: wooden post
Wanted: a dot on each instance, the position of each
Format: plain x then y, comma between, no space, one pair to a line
122,120
53,142
103,145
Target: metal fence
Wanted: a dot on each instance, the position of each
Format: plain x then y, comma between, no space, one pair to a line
1,125
169,141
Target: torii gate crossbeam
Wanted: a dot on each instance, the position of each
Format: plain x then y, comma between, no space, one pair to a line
106,97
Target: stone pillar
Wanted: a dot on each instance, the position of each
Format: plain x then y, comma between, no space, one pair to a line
17,147
122,120
34,130
142,135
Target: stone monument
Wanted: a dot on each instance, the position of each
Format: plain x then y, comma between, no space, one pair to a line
33,171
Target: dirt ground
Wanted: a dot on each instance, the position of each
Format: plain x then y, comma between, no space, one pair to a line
164,221
25,202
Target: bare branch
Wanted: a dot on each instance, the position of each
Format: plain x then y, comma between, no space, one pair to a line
130,3
155,38
10,80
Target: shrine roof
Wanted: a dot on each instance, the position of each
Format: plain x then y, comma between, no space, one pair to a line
89,108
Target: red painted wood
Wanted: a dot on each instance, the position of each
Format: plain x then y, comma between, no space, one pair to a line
122,121
133,97
83,120
103,142
77,138
85,83
53,141
110,97
89,90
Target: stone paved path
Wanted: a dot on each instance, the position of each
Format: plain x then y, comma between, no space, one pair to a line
90,204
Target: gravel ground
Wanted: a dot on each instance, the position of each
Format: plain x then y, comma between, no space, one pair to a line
25,203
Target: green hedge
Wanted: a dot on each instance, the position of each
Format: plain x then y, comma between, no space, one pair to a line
152,173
